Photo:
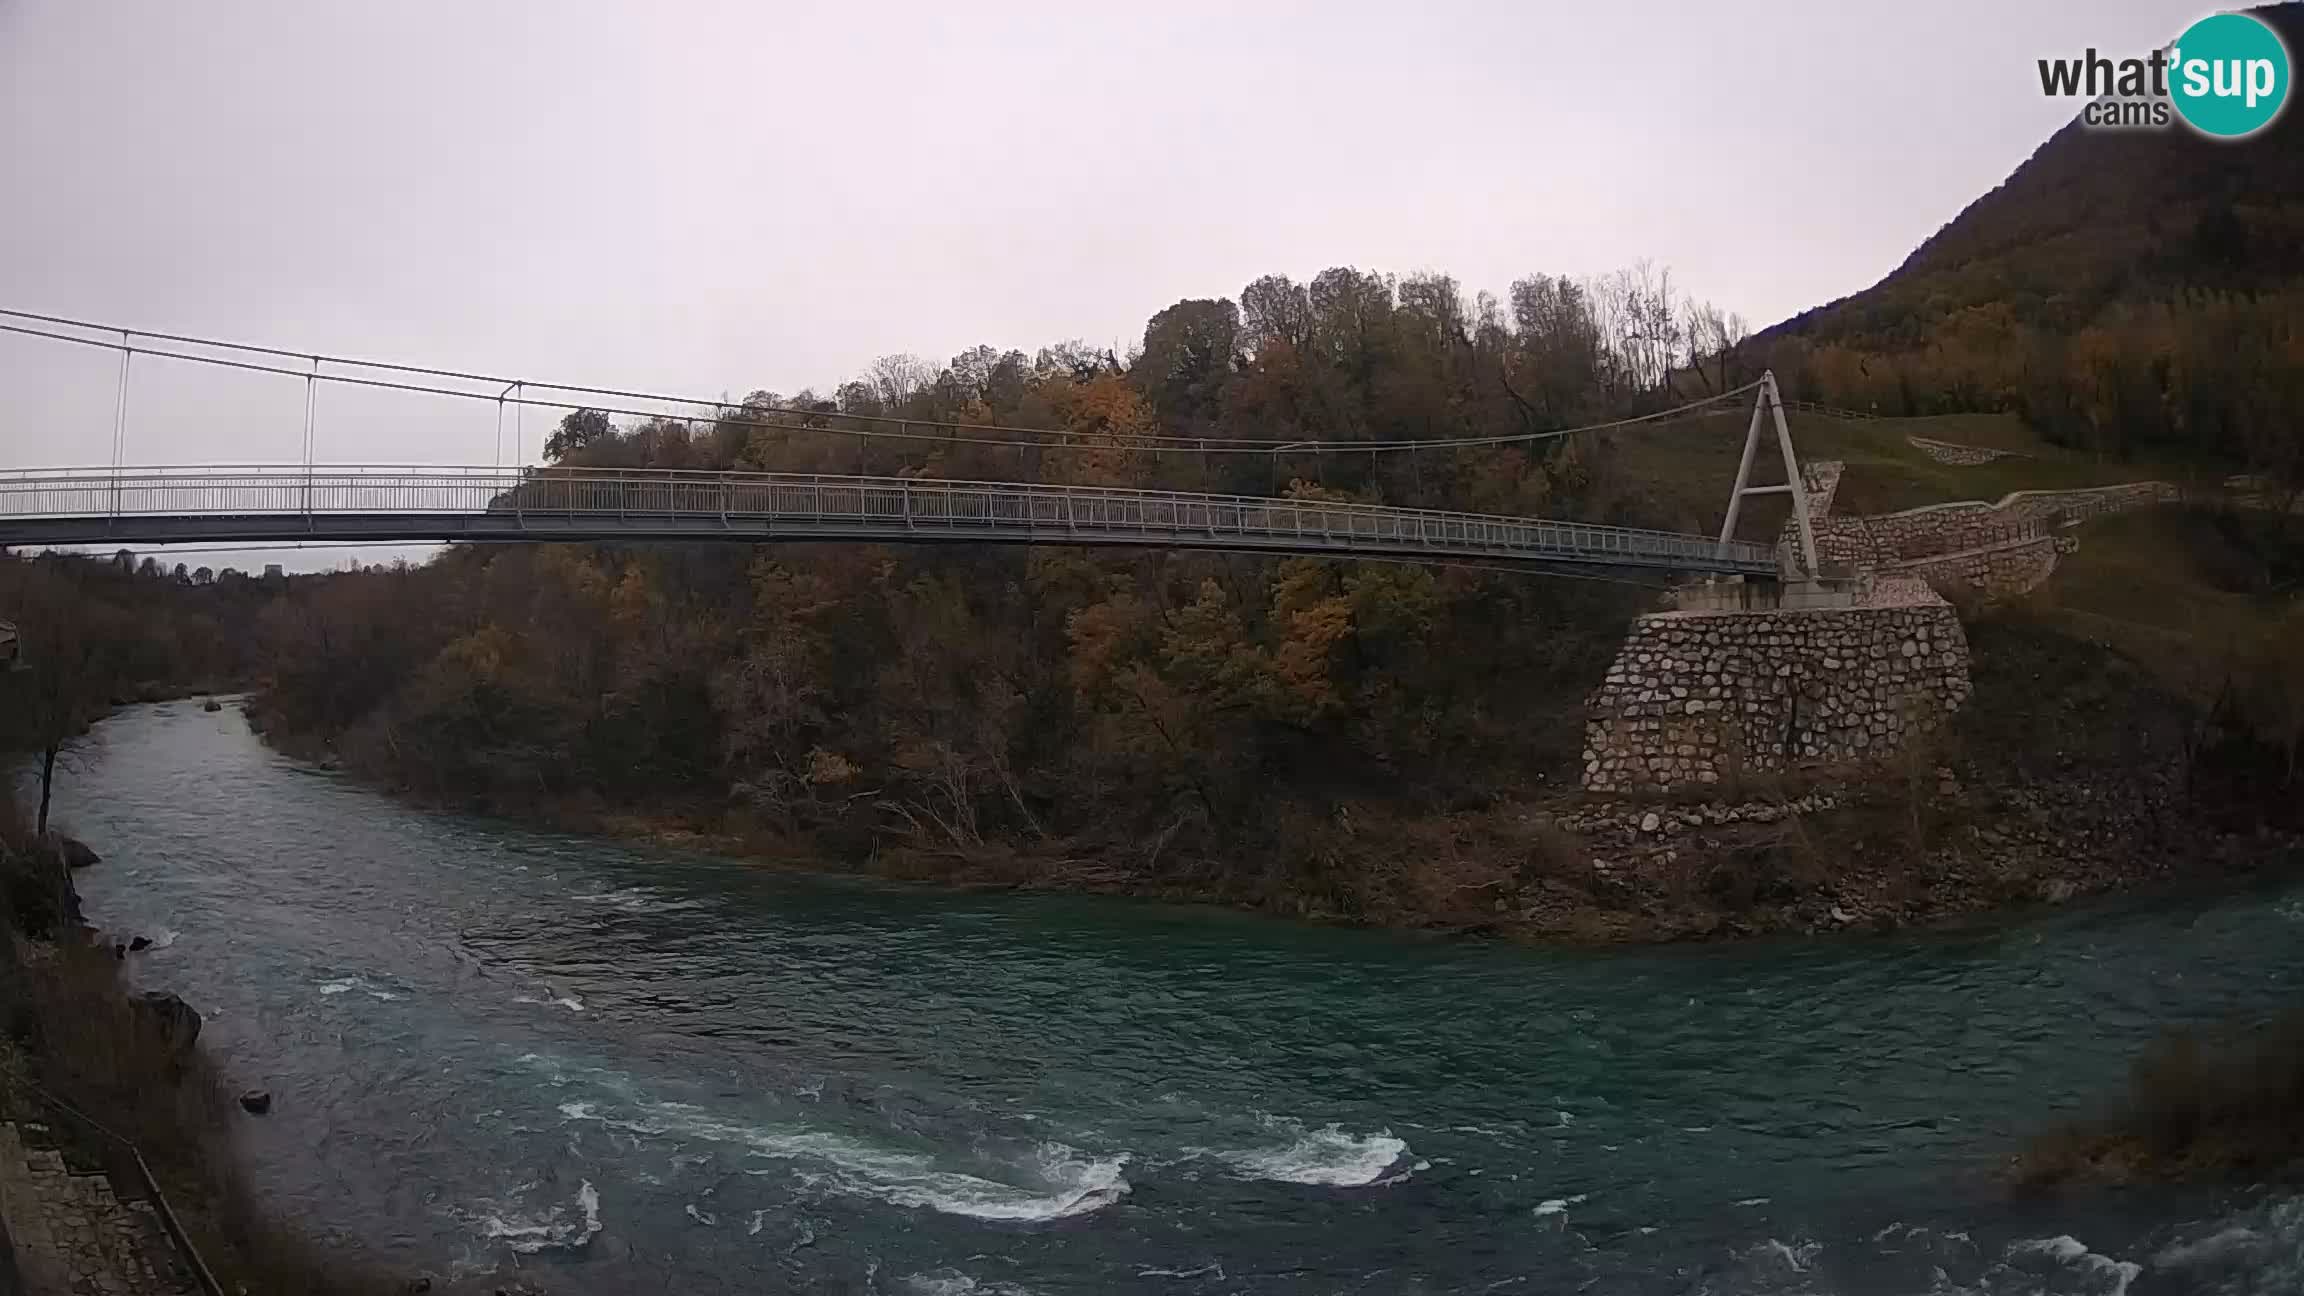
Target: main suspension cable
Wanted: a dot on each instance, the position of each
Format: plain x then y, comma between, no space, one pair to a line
812,420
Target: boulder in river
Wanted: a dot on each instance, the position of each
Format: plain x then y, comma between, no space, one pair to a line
211,705
139,944
256,1102
75,853
176,1022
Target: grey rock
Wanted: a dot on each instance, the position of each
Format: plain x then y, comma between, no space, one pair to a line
256,1102
175,1021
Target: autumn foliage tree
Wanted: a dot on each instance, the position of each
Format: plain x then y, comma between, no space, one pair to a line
95,633
1150,708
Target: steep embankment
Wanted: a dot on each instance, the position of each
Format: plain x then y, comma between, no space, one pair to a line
86,1063
2199,596
2092,219
1683,472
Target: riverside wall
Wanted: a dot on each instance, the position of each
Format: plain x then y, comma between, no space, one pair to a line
1886,539
1697,700
1828,677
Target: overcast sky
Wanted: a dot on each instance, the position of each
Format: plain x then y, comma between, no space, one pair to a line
719,196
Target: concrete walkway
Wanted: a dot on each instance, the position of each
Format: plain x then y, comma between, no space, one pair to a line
73,1235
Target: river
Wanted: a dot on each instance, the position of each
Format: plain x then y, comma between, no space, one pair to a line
616,1068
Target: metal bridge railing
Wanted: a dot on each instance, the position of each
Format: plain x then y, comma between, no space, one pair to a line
147,1183
1830,411
548,499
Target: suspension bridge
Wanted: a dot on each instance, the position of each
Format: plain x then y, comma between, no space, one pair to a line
264,504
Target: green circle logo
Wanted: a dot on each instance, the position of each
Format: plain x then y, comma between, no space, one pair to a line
2228,75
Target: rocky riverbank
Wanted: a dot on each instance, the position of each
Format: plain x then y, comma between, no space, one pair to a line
2068,774
87,1061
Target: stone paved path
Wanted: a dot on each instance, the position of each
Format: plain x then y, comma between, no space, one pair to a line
73,1235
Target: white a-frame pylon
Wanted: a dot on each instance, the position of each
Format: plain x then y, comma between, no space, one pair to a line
1770,405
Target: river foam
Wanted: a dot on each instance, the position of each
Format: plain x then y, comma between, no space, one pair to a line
1947,1264
551,998
2258,1251
1063,1181
951,1282
552,1229
1329,1156
2068,1258
347,985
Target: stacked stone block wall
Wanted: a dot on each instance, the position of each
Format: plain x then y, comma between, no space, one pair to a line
1843,541
1821,479
1959,456
1997,572
1950,528
1888,539
1696,700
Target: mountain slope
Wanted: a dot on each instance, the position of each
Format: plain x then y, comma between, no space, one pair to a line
2094,218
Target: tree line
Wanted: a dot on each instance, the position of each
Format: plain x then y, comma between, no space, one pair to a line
2210,375
93,633
1167,713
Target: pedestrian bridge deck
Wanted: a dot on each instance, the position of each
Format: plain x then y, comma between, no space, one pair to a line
397,504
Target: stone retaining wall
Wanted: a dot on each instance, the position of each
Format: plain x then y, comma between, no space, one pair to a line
72,1233
1837,542
1699,698
1888,539
1960,456
1996,572
1844,542
1695,699
1948,528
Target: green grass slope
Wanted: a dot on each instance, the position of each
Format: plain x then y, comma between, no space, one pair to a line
1677,475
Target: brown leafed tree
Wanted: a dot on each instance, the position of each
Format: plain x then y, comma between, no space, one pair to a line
70,665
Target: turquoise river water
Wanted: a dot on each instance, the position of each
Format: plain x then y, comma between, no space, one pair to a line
615,1068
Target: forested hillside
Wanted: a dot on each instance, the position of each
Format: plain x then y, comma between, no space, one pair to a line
2123,290
98,633
1178,716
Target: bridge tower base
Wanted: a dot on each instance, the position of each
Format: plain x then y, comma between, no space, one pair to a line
1748,685
1715,701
